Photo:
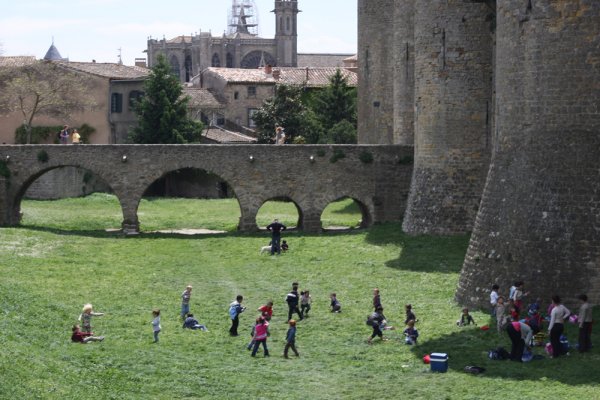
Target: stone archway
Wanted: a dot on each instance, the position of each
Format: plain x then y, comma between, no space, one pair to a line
352,214
279,211
193,187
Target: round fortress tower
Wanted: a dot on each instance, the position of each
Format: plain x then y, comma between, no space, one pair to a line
453,43
539,219
404,73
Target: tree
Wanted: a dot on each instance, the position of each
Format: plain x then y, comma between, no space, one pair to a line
42,88
336,102
163,110
286,109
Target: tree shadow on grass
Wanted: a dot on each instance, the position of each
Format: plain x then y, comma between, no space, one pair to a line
421,253
470,346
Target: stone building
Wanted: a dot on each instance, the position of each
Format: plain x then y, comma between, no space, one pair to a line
243,91
239,47
112,87
501,100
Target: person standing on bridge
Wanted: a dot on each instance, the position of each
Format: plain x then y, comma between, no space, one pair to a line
275,228
279,135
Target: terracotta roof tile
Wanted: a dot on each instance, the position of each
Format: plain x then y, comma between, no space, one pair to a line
108,70
221,135
317,77
17,61
321,60
202,98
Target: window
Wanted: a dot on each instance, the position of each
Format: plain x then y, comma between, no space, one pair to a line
251,91
229,60
216,61
134,97
251,112
116,103
287,25
236,95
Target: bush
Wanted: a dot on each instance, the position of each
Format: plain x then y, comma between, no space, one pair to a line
38,134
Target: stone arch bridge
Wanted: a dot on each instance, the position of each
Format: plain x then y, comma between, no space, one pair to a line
311,176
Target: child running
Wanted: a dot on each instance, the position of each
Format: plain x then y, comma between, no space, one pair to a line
290,339
411,333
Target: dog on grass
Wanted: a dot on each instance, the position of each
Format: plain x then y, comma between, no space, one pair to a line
265,249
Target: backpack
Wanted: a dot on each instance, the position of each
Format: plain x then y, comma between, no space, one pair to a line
371,320
233,311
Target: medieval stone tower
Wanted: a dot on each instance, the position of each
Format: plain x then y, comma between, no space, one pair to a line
239,47
286,32
504,96
539,219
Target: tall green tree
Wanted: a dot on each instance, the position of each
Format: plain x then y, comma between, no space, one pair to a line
163,110
287,109
42,88
335,109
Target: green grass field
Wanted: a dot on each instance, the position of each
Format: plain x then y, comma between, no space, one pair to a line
62,257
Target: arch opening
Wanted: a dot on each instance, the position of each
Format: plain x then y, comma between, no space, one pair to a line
68,197
191,201
345,213
282,208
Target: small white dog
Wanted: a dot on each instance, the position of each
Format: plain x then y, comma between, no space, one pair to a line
265,249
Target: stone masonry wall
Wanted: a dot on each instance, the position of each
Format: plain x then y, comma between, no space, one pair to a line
375,71
453,90
404,72
315,175
539,219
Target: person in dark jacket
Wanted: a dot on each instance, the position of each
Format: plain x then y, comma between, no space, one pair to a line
276,228
290,339
293,298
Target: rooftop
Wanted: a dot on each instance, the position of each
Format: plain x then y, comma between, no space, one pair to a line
221,135
312,77
17,61
108,70
202,98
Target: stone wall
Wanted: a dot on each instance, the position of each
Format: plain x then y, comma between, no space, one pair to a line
65,182
453,91
311,176
539,217
375,71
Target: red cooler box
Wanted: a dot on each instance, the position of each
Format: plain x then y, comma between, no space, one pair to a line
438,362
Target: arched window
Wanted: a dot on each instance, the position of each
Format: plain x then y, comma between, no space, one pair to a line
188,68
287,25
229,60
216,61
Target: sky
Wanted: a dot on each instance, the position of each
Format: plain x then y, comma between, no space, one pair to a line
86,30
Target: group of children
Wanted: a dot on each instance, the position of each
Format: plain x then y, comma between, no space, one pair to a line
379,323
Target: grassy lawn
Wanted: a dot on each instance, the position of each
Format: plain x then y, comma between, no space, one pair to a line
62,257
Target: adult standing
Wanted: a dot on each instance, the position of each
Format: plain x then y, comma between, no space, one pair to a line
76,137
279,135
276,228
64,135
556,328
520,335
585,324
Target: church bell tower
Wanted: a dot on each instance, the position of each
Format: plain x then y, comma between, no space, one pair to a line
286,32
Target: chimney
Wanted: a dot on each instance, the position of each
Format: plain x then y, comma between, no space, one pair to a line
276,74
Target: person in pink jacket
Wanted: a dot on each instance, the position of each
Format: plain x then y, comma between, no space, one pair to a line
261,332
